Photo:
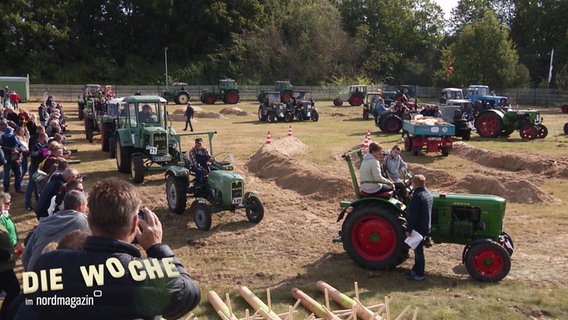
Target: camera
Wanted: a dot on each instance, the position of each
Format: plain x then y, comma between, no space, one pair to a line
140,214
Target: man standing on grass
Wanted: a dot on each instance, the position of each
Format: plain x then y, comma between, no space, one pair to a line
419,220
188,116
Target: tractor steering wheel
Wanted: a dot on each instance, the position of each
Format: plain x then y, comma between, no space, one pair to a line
225,158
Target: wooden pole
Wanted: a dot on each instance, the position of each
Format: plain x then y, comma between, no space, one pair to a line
362,311
219,305
258,304
312,305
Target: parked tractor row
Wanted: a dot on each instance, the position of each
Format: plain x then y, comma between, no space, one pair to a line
301,107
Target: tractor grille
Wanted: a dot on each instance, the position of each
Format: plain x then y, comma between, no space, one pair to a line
161,142
237,189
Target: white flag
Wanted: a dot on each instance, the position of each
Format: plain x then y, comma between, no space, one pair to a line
550,70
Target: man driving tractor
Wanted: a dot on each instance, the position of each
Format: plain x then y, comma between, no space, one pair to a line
199,159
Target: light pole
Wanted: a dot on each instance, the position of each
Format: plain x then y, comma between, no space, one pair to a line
166,64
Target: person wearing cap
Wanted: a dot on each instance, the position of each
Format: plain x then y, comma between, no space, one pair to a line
188,116
199,159
12,149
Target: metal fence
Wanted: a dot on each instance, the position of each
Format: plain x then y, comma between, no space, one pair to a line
520,96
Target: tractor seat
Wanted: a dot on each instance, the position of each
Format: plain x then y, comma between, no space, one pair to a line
387,195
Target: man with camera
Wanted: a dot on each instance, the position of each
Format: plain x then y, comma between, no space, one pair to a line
111,270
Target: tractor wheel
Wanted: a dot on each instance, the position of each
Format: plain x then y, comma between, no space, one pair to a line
356,100
507,242
176,194
261,117
105,137
528,131
112,147
542,131
566,128
445,151
255,214
365,114
408,144
137,168
231,97
288,117
564,108
315,116
89,130
201,215
122,157
487,261
208,98
489,125
391,123
270,118
466,136
337,102
374,237
300,116
81,110
286,96
182,98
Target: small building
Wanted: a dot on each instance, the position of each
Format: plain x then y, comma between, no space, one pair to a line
19,84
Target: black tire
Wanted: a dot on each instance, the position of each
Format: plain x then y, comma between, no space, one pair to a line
445,151
89,130
105,137
391,123
176,193
122,157
466,136
489,125
487,261
81,110
337,102
365,114
255,214
112,147
231,97
542,131
315,116
373,236
201,215
288,117
528,131
356,100
137,168
300,116
182,98
261,117
208,98
566,128
270,118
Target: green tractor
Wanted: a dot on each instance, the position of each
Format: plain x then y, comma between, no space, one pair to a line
223,190
143,140
177,93
90,92
373,232
354,94
493,123
94,109
226,91
285,88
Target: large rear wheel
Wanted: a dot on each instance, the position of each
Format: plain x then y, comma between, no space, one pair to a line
487,261
176,194
255,213
489,125
374,237
231,97
356,100
391,123
201,215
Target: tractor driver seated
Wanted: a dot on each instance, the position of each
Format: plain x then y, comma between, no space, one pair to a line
373,183
146,115
199,159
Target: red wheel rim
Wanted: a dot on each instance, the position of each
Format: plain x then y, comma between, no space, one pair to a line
488,262
392,124
209,99
488,126
373,238
529,132
232,97
356,100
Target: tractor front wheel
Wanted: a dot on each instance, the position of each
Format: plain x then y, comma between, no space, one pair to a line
566,128
356,100
208,99
255,213
528,131
288,117
137,168
487,261
374,237
542,131
315,116
300,116
201,215
89,130
176,194
337,102
489,125
261,116
564,108
182,98
122,157
231,97
105,137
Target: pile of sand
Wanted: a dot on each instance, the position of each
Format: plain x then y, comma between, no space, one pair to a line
276,162
233,111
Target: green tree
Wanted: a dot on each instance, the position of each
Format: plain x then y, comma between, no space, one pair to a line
482,54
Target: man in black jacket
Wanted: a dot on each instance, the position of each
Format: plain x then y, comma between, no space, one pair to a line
109,272
419,220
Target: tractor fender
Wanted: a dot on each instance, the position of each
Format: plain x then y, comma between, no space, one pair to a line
372,201
250,193
469,245
177,172
498,112
125,138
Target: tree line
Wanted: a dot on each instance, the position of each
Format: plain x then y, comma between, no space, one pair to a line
502,43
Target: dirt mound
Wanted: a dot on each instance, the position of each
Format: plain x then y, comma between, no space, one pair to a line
233,111
275,162
435,178
519,191
209,115
504,161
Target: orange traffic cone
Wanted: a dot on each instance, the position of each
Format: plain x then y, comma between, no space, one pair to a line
268,139
367,139
290,131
